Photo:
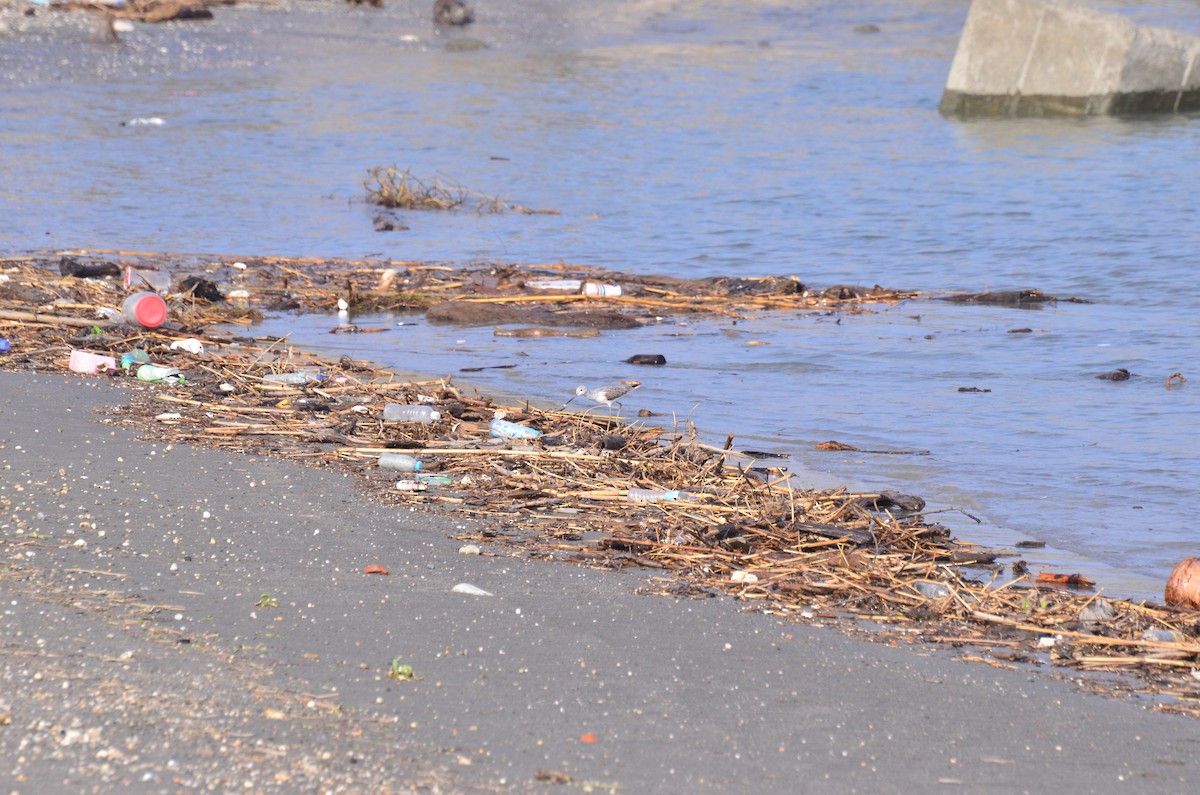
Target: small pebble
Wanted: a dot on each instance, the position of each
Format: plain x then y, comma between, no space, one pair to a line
469,549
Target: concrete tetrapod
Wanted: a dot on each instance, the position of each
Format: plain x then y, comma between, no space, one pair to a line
1059,57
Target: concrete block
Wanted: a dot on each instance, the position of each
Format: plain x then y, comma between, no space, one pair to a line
1059,57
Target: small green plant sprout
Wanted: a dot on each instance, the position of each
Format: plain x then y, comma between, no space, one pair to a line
266,600
401,672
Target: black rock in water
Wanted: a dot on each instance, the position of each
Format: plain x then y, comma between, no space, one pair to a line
647,358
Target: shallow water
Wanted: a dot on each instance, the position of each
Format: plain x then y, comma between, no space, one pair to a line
719,138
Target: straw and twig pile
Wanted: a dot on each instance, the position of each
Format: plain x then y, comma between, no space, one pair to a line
739,528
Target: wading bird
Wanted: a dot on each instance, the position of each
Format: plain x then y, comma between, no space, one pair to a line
606,395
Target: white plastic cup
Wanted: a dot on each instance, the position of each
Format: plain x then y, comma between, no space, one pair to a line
145,309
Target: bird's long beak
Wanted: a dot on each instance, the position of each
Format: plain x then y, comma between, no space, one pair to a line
568,402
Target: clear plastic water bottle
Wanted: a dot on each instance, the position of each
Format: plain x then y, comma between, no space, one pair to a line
399,462
301,377
570,285
511,430
398,412
159,375
657,495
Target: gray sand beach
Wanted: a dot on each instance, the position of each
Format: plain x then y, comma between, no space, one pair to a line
179,619
184,619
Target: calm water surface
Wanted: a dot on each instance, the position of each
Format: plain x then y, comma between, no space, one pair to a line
694,139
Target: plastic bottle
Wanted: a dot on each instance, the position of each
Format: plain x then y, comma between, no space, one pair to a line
301,377
1159,635
931,590
159,375
135,356
657,495
600,289
145,309
398,412
399,462
511,430
570,285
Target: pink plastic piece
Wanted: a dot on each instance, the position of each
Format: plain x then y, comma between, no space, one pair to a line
91,363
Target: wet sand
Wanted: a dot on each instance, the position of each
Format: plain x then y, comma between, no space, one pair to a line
143,653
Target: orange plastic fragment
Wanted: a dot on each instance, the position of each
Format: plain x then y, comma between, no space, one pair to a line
1071,580
375,568
588,738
